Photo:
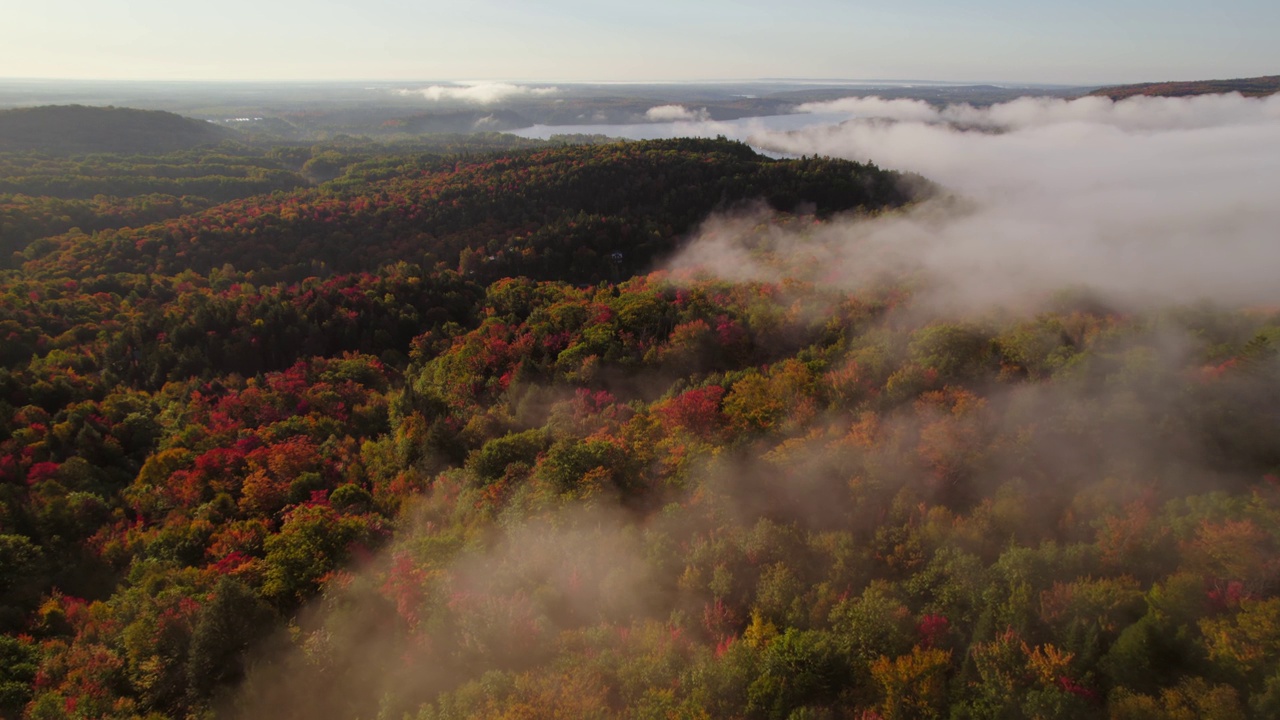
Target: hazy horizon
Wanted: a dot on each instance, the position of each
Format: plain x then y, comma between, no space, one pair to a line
1087,43
853,82
830,81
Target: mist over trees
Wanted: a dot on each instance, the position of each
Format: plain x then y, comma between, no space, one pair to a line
504,428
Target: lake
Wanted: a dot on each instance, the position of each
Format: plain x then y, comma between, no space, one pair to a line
743,129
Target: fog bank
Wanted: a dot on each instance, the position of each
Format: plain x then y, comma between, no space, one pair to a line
1146,200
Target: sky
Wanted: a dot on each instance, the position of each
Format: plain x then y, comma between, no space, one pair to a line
1081,42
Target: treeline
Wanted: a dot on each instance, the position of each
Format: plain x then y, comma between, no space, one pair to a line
220,174
1249,87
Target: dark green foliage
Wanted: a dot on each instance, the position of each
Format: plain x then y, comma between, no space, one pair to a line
229,625
19,661
351,499
491,461
312,542
1147,656
799,668
574,465
957,353
20,568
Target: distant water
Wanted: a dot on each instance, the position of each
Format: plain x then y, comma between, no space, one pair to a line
744,129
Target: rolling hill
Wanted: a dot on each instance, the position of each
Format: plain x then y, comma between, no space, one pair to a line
63,129
1249,87
578,213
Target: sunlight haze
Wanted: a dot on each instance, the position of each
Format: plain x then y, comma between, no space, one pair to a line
573,40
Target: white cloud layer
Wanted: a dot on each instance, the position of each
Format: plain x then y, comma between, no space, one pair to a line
1135,113
477,93
674,113
1145,200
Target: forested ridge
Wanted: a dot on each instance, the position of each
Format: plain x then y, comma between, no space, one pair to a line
1249,87
440,434
83,129
551,214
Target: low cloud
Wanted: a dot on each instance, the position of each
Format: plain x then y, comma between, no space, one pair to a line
1135,113
477,93
402,627
674,113
1147,200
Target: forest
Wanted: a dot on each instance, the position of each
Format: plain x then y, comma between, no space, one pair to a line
1249,87
438,431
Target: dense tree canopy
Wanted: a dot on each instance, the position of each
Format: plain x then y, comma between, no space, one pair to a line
439,438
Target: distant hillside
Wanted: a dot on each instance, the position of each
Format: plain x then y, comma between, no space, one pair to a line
977,95
1251,87
577,213
460,122
80,129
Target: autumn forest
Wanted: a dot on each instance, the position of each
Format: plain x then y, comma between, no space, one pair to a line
444,430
